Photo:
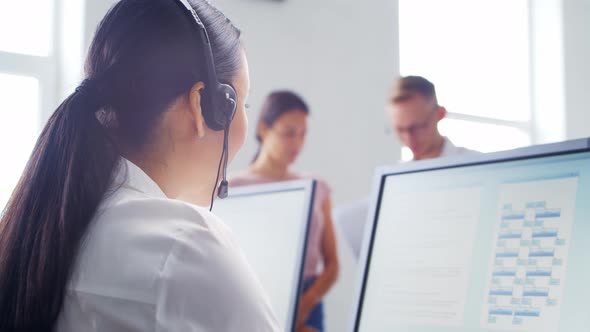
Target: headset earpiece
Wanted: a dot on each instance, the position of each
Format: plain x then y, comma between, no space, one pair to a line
229,103
218,101
219,106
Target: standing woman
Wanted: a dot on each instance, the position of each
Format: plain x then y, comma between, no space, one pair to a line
93,237
281,131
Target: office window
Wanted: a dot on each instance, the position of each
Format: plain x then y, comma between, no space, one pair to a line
27,77
20,109
27,27
477,55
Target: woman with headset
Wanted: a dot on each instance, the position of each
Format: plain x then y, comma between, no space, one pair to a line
281,132
95,237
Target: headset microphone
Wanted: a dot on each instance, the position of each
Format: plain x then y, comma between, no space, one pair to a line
219,99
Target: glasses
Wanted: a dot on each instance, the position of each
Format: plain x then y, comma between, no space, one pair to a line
417,128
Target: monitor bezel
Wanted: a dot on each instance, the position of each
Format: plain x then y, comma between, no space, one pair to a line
309,188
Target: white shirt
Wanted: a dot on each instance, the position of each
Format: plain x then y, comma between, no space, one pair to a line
150,263
450,150
351,219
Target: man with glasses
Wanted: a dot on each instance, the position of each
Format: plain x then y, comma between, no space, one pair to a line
415,113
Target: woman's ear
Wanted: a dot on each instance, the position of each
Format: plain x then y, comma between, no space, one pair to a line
442,113
262,130
195,108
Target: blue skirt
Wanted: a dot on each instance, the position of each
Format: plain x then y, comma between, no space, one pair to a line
316,316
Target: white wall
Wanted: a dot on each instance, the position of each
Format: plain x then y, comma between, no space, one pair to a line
547,68
70,47
577,67
94,11
341,56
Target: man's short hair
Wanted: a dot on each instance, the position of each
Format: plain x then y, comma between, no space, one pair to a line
409,86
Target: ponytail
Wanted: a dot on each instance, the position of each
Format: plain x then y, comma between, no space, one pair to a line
141,59
49,212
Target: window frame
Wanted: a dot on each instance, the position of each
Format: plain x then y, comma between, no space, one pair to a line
527,127
45,69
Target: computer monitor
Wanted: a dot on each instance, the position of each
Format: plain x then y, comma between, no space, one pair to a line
496,242
271,225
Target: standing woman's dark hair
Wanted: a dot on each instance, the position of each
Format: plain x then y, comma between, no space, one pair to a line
281,132
275,105
143,56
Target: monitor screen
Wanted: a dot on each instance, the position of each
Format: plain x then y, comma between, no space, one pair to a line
270,223
493,246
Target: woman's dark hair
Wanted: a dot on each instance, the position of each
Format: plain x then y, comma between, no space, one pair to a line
143,56
276,104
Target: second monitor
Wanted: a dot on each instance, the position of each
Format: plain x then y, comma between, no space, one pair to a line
271,224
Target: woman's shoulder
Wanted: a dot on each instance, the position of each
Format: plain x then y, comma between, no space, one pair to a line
169,254
162,218
134,234
133,229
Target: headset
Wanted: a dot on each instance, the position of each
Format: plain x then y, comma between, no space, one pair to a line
219,99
